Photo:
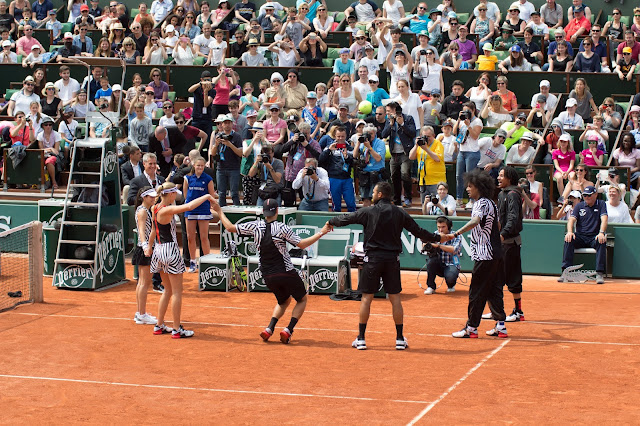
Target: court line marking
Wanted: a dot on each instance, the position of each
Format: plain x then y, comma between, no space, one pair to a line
240,391
456,384
517,339
307,311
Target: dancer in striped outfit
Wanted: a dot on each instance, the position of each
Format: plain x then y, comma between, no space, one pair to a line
166,257
144,201
486,251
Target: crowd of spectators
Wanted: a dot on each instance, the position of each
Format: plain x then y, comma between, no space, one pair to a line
285,138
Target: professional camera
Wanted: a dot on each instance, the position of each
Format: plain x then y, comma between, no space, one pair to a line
311,171
225,137
429,250
301,137
265,158
363,138
27,119
423,51
464,115
421,141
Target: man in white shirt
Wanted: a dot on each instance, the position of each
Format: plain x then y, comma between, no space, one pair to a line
493,11
362,84
160,9
21,100
526,7
67,87
314,182
552,99
492,152
202,41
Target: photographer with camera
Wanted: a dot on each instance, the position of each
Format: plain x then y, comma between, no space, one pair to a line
429,152
441,204
444,258
401,131
228,145
271,173
337,159
313,182
299,148
467,128
370,152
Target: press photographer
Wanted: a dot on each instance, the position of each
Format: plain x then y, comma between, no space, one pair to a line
370,152
429,152
441,204
270,171
444,258
299,148
314,183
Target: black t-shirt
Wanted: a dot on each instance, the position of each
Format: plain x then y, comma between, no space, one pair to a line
50,109
66,51
198,105
141,43
6,19
271,261
237,49
313,61
379,126
228,159
246,10
348,125
528,50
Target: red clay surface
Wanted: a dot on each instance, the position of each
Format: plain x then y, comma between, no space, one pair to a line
80,358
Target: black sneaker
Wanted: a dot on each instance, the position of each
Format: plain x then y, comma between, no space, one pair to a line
158,288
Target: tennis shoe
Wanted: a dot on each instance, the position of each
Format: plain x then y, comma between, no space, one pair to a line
161,329
158,288
181,333
515,316
360,344
193,267
145,319
488,316
266,333
599,278
562,279
466,333
285,336
498,331
469,205
430,290
451,290
402,344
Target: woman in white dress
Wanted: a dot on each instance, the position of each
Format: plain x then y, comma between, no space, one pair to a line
401,70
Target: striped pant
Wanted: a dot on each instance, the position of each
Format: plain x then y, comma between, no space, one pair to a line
166,258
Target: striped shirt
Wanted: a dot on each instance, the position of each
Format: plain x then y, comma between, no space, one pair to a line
485,238
147,226
280,232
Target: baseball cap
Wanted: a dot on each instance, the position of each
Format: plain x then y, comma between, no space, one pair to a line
436,91
515,48
27,78
84,7
542,98
361,122
612,171
575,194
343,106
452,14
35,46
344,50
68,109
146,90
205,74
269,207
635,108
252,113
312,95
424,33
225,117
627,50
374,77
368,47
527,135
571,102
399,52
68,36
579,8
522,115
275,106
53,12
589,190
117,87
6,43
268,6
489,47
434,10
500,132
565,137
545,83
169,28
592,137
447,122
220,118
46,119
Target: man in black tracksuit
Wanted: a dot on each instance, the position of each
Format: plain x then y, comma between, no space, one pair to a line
383,224
510,218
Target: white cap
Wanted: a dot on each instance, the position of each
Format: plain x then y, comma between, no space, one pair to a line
571,102
68,35
565,137
545,83
116,87
35,46
6,43
527,135
575,194
361,122
374,77
169,28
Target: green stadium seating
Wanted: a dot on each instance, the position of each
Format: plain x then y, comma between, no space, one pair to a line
171,96
67,27
328,62
339,17
54,47
333,53
624,19
158,113
134,12
200,60
463,18
230,61
10,93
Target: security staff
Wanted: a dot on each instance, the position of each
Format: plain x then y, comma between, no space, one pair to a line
383,224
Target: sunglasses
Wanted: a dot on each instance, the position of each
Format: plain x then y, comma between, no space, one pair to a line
29,84
47,124
28,29
422,8
435,95
454,50
616,13
153,39
429,52
586,44
626,53
276,80
345,81
609,105
167,107
180,122
360,38
580,170
373,82
595,31
480,10
453,23
83,29
528,173
500,82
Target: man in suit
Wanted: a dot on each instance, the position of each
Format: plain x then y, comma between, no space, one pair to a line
132,168
165,143
149,177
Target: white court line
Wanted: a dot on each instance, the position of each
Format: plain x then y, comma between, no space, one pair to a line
456,384
140,385
218,324
576,324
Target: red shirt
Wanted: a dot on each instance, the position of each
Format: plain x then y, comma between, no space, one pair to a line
635,49
190,132
574,25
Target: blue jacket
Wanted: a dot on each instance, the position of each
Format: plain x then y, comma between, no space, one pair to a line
77,43
406,133
334,163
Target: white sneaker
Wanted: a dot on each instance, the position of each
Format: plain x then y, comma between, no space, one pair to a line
430,290
146,319
451,290
488,316
193,267
359,344
402,344
469,205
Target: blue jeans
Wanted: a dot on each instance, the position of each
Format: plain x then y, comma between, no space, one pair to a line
584,241
228,180
467,161
342,188
435,267
314,206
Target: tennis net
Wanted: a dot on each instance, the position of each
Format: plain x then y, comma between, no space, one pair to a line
21,265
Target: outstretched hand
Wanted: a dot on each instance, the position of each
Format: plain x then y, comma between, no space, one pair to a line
214,204
448,237
327,228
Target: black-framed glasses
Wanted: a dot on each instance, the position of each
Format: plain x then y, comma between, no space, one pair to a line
156,75
276,80
580,170
47,124
616,13
167,107
372,82
595,31
559,37
180,122
528,173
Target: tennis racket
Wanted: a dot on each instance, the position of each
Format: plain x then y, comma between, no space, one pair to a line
238,274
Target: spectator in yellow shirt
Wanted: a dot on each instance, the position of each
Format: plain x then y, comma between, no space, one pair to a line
487,61
429,152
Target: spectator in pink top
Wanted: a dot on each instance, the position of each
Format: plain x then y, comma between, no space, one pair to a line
592,156
564,159
24,43
275,128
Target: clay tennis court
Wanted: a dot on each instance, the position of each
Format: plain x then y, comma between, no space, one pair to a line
79,358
